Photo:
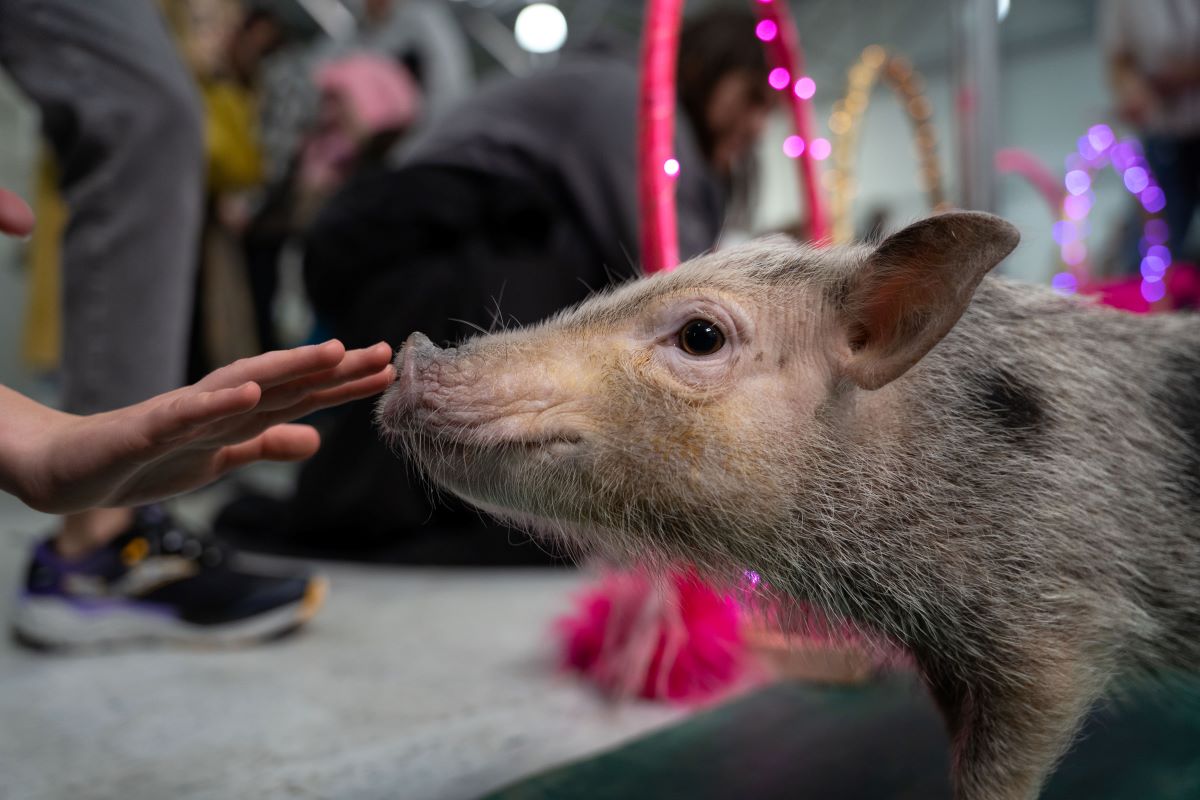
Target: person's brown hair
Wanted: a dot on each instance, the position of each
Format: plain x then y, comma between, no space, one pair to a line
712,45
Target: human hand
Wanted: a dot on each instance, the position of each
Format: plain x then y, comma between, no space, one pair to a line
16,218
187,438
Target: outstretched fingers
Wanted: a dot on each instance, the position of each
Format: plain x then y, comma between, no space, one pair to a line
356,364
278,367
354,390
278,443
190,411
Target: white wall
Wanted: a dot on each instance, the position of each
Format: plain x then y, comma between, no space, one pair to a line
1049,97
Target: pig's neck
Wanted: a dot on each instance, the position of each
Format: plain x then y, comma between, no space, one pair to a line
1011,465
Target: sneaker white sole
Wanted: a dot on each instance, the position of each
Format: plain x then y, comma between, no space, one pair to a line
53,622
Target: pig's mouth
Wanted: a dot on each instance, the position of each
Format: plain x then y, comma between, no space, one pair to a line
488,470
425,435
479,442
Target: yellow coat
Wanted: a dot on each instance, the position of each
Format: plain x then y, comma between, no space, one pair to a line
235,158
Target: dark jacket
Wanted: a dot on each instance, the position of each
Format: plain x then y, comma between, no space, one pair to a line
519,202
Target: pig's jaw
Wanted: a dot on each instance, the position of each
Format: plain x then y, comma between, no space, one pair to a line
489,461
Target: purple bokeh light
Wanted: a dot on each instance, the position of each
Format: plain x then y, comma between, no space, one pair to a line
1085,148
1153,199
1136,179
1064,283
793,146
1161,253
1101,137
820,149
806,87
1125,155
671,167
1156,231
1152,268
766,30
779,78
1077,206
1153,291
1077,181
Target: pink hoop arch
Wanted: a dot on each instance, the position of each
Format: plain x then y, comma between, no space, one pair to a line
1070,201
657,167
1014,161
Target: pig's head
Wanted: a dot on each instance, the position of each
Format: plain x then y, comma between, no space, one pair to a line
662,417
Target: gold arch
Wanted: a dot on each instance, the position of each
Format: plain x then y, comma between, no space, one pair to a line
846,121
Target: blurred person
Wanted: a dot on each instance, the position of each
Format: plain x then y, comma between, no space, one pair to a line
516,203
368,102
427,54
123,118
422,35
231,310
1153,53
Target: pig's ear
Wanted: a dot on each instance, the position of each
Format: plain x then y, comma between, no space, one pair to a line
909,293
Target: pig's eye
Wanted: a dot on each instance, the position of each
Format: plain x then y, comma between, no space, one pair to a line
700,337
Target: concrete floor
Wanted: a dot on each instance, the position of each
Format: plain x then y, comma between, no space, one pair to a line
411,684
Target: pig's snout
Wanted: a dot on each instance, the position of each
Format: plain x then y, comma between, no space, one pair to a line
410,363
473,392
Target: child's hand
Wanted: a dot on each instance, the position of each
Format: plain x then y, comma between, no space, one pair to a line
186,438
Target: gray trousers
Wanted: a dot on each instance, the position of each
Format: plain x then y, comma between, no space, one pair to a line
125,121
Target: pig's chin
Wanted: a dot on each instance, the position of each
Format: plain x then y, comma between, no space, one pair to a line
491,471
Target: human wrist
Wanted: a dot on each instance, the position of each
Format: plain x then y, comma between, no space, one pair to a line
28,442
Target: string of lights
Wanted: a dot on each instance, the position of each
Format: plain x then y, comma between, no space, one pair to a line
777,32
1098,148
845,123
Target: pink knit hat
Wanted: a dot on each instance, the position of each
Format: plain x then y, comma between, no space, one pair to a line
380,92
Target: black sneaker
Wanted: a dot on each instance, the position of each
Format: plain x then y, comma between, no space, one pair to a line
158,582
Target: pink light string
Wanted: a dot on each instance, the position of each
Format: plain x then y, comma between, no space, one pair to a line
1071,199
786,54
658,168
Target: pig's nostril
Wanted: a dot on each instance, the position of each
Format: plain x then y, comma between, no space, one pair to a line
404,394
419,343
414,353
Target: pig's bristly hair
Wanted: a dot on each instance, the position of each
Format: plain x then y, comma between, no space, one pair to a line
1023,519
